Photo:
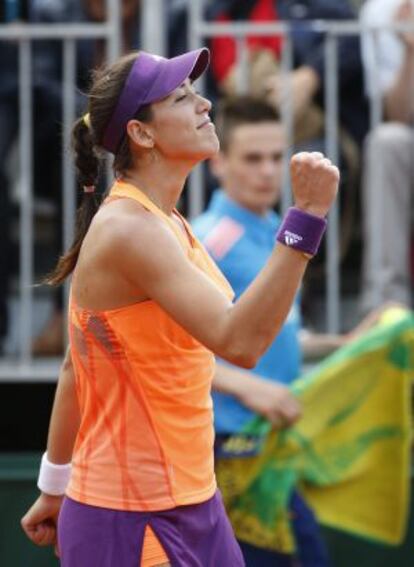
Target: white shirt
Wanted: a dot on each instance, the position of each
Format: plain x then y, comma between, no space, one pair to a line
382,53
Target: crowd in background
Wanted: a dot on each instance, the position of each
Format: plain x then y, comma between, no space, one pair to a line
377,165
376,170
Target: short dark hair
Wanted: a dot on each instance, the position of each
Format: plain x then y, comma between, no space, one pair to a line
237,111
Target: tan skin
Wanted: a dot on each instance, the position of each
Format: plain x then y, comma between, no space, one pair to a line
96,11
398,101
300,86
40,521
250,170
129,255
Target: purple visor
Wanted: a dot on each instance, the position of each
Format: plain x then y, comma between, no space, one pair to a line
150,79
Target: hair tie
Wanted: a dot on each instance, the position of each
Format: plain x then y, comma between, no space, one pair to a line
87,120
89,188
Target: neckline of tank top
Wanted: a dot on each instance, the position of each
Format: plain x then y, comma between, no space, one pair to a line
139,196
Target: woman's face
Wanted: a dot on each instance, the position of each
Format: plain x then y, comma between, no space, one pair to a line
181,126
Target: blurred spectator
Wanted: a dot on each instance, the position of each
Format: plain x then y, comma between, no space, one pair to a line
389,151
47,117
307,78
9,12
239,230
91,54
357,4
177,36
95,11
306,87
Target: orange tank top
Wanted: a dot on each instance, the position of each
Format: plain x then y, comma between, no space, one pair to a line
146,435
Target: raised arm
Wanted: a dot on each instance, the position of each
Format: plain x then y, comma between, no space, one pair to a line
155,262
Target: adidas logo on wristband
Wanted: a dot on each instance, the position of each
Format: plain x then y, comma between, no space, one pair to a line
302,231
291,238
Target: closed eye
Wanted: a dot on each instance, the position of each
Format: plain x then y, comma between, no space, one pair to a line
183,96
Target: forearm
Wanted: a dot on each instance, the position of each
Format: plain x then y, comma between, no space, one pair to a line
256,318
231,380
258,315
315,345
65,419
399,100
267,398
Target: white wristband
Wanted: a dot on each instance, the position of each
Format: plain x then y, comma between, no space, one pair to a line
53,479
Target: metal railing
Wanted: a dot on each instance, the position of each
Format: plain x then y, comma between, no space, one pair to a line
24,35
199,30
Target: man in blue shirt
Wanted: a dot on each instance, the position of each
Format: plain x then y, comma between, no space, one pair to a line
239,229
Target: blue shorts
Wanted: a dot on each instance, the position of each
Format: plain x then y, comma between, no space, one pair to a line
312,551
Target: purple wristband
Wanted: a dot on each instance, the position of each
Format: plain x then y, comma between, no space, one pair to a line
301,231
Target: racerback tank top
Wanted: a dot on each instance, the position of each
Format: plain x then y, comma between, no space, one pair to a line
146,436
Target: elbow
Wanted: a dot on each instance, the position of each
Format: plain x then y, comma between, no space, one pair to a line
245,351
243,357
246,361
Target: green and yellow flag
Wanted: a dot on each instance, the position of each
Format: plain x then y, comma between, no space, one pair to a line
349,455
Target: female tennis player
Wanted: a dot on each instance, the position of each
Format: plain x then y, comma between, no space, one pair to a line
148,312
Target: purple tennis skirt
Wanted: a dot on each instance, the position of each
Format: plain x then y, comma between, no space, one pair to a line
199,535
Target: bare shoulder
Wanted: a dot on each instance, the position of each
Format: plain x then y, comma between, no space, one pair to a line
126,231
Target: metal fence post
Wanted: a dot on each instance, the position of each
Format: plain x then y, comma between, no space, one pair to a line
70,33
331,133
242,78
69,115
24,35
114,22
376,116
26,199
287,118
153,26
195,182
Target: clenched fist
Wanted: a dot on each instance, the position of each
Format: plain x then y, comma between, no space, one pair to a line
40,522
315,182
